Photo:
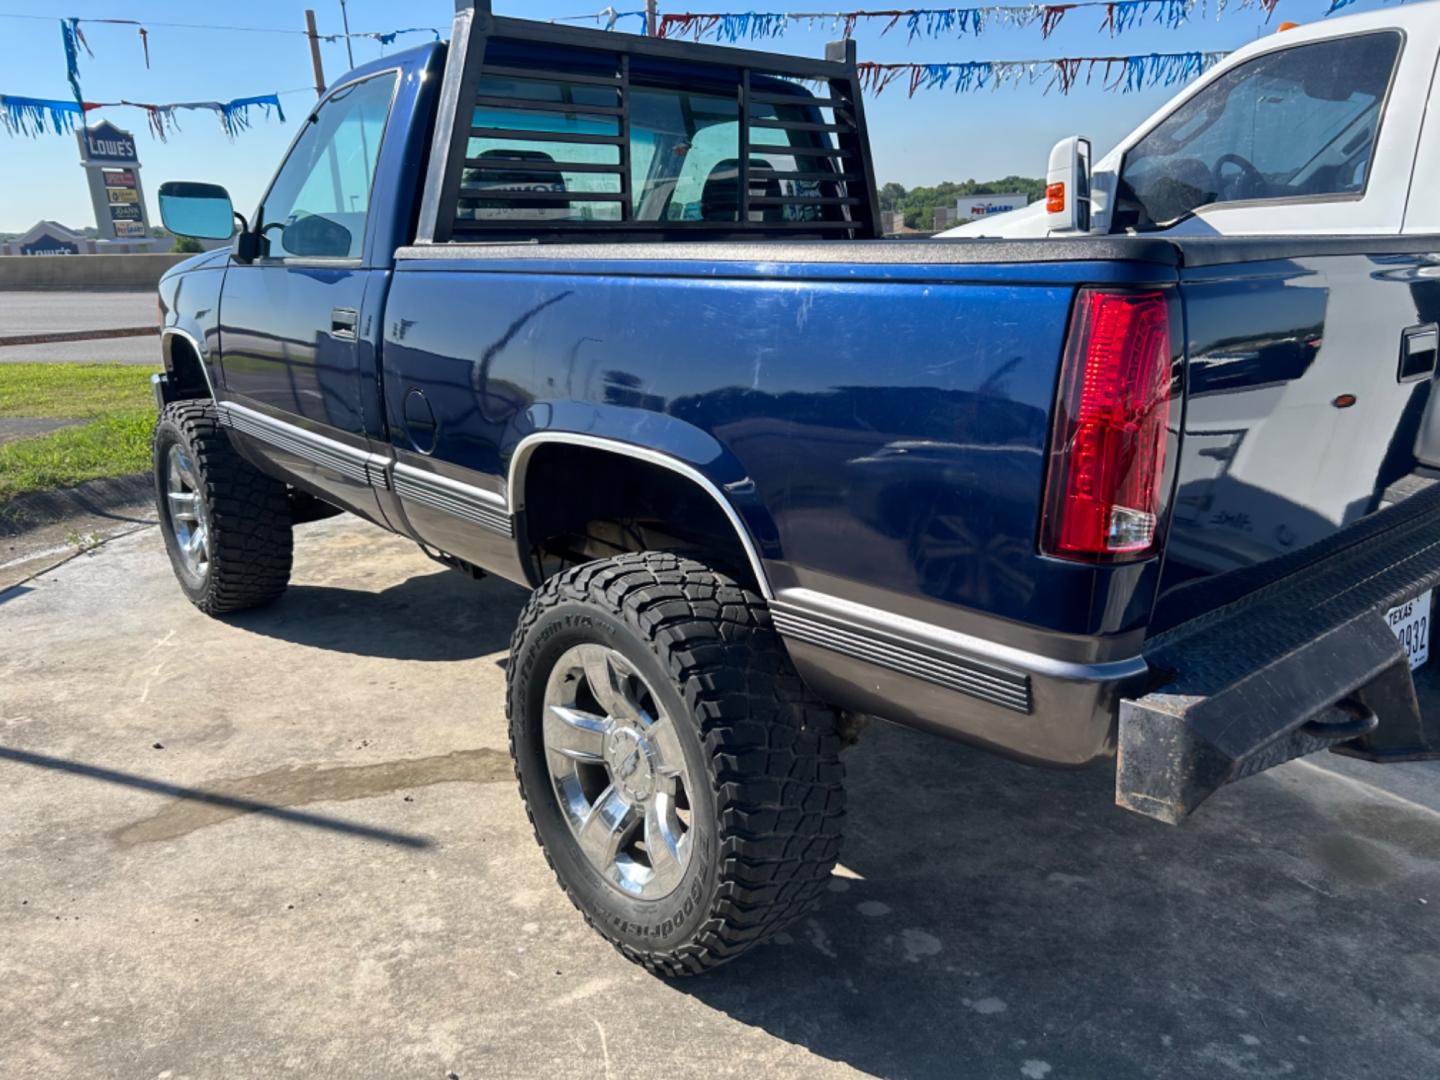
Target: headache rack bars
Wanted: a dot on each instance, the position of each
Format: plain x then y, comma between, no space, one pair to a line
832,190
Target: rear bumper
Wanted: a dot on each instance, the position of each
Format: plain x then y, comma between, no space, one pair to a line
1305,663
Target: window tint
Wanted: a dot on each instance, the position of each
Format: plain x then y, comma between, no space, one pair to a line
1294,123
319,202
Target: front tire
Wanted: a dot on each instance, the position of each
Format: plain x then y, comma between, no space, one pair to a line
226,524
683,783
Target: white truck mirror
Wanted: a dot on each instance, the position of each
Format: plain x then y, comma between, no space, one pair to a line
1067,186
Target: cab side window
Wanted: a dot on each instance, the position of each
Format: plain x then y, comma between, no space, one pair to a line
1297,123
320,200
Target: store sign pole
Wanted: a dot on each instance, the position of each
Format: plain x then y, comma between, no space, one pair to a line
112,169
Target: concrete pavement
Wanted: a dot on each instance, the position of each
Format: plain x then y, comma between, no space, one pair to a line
44,311
289,842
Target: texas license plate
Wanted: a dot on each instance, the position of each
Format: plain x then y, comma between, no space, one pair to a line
1410,622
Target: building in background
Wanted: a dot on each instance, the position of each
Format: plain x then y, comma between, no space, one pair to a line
946,217
972,207
52,238
46,238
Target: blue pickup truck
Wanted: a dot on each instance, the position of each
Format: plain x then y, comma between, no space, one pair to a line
612,317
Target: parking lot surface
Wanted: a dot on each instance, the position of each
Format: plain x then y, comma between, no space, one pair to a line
44,311
289,842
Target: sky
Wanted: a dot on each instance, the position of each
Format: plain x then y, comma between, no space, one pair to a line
937,135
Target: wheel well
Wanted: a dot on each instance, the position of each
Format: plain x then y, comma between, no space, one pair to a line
183,365
582,503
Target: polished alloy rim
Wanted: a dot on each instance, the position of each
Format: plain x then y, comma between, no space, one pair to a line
618,770
187,512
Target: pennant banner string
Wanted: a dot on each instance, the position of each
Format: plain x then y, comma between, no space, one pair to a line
612,18
162,24
74,39
1123,73
37,116
1118,16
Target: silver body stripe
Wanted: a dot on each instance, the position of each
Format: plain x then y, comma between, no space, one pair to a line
473,504
1008,689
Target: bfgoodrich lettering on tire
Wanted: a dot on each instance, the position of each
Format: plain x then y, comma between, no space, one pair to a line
226,524
683,783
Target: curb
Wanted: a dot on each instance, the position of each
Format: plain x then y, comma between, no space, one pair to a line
39,508
77,335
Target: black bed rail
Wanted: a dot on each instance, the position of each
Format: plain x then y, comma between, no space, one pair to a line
505,192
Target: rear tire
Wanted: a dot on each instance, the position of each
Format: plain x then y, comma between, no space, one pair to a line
712,712
226,524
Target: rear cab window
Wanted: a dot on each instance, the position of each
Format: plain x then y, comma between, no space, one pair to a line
1295,124
581,140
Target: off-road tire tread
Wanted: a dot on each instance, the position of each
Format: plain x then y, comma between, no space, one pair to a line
251,541
773,747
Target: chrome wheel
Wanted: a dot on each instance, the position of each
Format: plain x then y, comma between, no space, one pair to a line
186,508
618,770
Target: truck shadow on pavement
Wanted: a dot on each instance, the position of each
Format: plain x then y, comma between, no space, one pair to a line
440,617
196,807
995,920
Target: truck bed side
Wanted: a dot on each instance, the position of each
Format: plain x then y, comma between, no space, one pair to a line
877,415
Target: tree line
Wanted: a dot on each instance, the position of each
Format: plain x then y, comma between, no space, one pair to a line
919,203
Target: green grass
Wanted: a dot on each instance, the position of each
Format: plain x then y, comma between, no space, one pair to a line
114,398
72,390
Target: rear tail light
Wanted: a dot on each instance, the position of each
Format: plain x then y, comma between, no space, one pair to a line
1107,452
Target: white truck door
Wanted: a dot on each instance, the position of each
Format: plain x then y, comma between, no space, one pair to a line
1422,209
1311,132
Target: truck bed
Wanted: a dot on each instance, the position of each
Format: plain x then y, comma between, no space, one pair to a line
878,411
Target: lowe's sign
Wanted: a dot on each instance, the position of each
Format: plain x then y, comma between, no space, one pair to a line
106,142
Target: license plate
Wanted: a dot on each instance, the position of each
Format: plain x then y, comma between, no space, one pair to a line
1410,623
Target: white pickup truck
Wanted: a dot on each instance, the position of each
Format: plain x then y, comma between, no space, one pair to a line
1326,129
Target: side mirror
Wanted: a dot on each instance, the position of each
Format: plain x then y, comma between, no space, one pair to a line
202,211
1067,186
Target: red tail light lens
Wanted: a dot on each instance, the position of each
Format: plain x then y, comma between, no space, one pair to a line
1107,452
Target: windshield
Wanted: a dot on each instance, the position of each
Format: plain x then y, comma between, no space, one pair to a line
1296,123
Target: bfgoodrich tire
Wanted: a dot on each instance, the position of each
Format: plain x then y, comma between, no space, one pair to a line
226,524
683,783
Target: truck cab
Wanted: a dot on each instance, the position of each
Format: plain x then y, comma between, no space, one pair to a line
1314,130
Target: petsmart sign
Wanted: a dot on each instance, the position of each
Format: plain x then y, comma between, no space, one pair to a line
979,206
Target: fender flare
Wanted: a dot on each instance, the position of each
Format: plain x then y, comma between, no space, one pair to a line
167,334
526,447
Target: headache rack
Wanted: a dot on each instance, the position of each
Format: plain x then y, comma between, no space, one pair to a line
563,167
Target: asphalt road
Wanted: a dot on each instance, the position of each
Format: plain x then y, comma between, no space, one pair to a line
44,311
366,899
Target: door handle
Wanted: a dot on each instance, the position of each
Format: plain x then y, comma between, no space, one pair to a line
343,323
1418,346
